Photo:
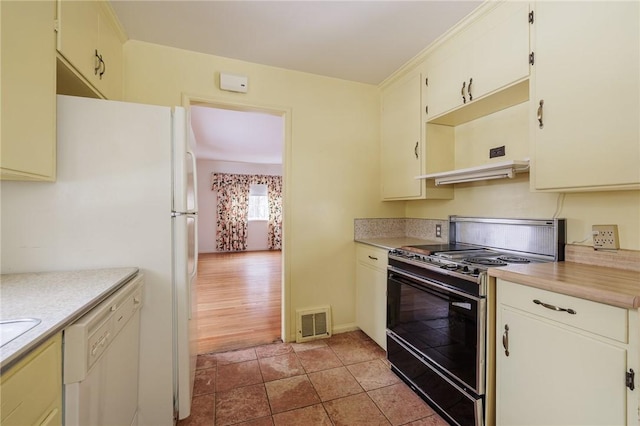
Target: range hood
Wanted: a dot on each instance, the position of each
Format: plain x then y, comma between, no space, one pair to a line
502,170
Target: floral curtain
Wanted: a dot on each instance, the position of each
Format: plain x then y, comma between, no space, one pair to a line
233,208
274,192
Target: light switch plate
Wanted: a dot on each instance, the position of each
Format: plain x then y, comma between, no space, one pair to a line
605,237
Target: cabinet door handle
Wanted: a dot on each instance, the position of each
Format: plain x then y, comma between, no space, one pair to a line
469,90
415,150
554,308
98,63
540,107
464,96
104,67
372,257
505,339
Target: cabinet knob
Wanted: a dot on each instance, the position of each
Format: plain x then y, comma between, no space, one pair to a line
540,107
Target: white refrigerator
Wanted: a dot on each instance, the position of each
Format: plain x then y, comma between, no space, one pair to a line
125,195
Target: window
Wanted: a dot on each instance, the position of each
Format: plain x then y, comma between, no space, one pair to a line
258,202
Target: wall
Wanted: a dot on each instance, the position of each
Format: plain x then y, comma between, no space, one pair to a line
512,198
207,199
331,170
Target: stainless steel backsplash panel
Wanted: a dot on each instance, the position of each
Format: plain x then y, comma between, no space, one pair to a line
545,237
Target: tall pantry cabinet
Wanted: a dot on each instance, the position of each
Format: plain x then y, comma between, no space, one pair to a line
585,96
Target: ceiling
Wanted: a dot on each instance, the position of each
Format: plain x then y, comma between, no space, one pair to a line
238,136
358,40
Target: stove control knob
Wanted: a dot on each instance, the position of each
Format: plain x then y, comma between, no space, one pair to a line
476,271
465,269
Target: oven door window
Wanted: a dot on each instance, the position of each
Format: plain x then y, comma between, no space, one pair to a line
440,325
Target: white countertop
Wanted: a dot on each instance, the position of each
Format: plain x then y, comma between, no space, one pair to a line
56,298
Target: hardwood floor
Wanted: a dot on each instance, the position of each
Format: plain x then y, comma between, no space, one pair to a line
239,298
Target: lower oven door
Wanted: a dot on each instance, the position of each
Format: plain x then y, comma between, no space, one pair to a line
453,403
442,325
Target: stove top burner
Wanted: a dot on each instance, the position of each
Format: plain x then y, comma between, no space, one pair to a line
460,260
485,261
514,259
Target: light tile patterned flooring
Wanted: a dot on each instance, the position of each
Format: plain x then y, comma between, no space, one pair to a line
343,380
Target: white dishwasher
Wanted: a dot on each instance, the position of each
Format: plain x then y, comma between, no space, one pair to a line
101,356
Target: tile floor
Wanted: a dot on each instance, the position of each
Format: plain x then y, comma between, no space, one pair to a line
343,380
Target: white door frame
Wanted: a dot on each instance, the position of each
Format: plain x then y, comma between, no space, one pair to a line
285,112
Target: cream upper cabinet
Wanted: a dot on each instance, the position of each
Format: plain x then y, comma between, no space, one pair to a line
111,51
31,391
586,93
500,49
89,40
488,55
28,87
408,148
445,77
563,367
402,148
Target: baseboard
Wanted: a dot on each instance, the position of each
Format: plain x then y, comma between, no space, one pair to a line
343,328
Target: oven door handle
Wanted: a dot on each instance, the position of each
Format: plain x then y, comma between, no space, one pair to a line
430,283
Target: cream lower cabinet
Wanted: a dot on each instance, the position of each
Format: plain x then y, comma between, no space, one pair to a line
28,87
371,292
31,391
585,95
559,368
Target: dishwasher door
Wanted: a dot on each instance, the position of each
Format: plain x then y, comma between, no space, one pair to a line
101,357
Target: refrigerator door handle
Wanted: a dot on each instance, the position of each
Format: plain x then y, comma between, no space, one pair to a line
194,271
194,182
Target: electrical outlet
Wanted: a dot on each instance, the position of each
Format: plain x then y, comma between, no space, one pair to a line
496,152
438,231
605,237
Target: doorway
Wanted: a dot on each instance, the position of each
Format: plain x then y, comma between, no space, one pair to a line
241,295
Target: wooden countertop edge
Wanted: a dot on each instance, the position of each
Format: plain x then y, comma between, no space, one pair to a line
622,289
